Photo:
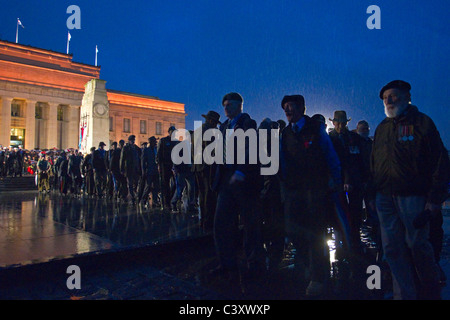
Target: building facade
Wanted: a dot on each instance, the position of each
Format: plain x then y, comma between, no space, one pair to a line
42,92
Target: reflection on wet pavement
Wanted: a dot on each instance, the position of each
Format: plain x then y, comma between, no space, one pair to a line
40,227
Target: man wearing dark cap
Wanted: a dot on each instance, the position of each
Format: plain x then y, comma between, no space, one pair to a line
99,165
348,146
130,166
165,165
410,170
308,161
203,175
237,189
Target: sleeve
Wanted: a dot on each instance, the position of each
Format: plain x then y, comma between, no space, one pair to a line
159,151
439,165
243,169
122,159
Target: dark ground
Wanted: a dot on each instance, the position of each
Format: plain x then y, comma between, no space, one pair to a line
179,270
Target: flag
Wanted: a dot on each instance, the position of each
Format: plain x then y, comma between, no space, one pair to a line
20,23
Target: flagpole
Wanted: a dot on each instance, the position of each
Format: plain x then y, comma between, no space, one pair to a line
17,31
68,41
96,51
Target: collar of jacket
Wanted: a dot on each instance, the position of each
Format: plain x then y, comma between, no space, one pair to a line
344,131
242,118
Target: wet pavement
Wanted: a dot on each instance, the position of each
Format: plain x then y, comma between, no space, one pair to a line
131,253
37,228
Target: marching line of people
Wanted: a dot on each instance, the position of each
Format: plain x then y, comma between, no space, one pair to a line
395,183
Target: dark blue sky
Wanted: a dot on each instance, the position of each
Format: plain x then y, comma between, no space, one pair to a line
196,51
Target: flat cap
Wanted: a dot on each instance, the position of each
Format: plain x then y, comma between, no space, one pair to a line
233,96
396,84
297,98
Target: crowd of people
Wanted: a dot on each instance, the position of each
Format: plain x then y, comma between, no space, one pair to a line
402,176
14,162
395,182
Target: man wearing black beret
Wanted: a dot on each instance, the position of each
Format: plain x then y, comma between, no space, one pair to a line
410,170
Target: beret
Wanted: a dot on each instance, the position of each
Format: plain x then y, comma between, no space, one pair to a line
396,84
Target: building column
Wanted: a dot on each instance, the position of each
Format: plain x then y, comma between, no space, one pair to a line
73,123
52,125
5,127
30,124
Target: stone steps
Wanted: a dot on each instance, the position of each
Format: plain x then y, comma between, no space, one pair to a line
24,183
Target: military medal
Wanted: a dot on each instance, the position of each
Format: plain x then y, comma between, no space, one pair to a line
406,133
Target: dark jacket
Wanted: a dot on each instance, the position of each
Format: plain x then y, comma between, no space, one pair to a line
58,164
164,152
304,165
130,160
86,166
63,170
149,166
251,171
348,146
99,161
75,165
409,158
114,160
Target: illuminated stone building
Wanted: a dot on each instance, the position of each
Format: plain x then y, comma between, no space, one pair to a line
42,94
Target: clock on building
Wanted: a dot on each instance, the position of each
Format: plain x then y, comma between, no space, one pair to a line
100,109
